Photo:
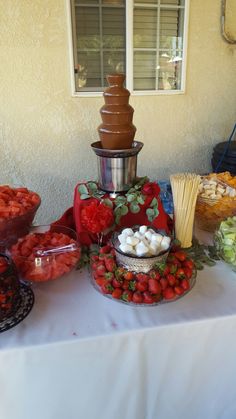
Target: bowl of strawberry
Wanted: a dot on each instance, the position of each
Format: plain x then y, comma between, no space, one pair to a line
18,206
46,253
165,282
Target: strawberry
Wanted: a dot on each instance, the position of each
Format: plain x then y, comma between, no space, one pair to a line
171,279
154,274
117,293
164,283
110,263
116,283
185,284
180,255
154,286
142,286
148,298
107,288
178,290
105,249
127,295
137,297
109,276
128,276
100,280
180,274
100,270
132,285
188,272
142,277
168,293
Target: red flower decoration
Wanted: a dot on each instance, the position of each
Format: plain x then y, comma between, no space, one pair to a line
151,188
96,217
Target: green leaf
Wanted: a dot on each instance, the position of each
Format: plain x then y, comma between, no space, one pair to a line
84,196
154,203
140,199
150,214
156,212
117,215
92,186
131,197
83,189
120,199
108,203
134,208
124,210
130,191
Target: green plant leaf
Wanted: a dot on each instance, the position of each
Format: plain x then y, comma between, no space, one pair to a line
124,210
120,199
154,203
92,186
150,214
131,197
156,212
83,189
108,203
134,207
140,199
84,196
117,215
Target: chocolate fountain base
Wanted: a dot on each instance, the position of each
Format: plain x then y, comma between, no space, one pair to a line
116,168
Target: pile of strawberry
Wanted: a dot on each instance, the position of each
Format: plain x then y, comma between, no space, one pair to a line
16,201
9,286
165,281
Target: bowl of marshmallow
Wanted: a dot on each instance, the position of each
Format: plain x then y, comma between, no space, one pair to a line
139,248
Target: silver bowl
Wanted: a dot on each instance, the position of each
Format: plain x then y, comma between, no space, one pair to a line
138,263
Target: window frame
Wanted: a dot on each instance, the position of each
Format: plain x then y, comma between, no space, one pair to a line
129,4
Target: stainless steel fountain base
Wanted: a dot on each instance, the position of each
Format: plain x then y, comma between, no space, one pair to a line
116,168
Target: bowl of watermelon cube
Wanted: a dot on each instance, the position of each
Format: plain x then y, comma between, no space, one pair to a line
18,206
46,253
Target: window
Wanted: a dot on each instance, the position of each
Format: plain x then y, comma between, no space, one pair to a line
145,39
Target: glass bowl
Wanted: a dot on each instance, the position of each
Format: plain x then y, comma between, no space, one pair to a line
46,253
138,263
225,241
9,287
16,215
210,212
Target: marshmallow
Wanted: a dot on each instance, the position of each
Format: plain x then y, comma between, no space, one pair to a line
157,238
141,249
128,232
142,229
148,235
126,248
165,243
122,238
133,241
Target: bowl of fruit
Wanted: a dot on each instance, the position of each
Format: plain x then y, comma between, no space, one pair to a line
46,253
167,280
139,248
18,206
225,241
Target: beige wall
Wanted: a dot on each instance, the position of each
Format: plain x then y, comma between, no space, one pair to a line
45,134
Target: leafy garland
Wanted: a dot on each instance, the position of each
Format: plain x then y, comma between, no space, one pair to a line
122,204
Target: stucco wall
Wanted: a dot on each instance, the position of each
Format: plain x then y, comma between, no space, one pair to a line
45,133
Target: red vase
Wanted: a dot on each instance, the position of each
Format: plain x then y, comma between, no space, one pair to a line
117,130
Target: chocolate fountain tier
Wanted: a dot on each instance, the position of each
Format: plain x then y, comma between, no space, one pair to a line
116,168
116,130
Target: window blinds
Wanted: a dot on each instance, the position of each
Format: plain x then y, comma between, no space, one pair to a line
99,41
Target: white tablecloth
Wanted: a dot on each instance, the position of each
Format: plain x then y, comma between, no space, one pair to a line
79,355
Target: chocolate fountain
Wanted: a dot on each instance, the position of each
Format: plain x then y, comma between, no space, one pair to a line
116,151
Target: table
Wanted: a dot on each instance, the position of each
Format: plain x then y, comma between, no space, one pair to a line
79,355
